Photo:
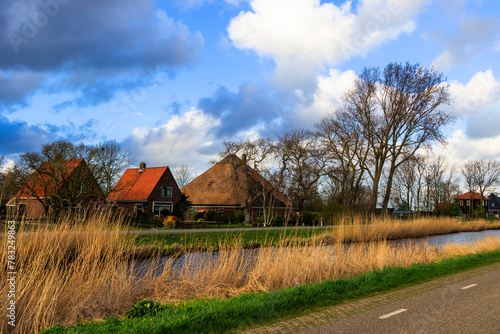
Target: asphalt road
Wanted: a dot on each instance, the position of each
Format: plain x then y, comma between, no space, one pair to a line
468,306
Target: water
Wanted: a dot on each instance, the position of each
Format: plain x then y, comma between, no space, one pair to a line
460,238
197,259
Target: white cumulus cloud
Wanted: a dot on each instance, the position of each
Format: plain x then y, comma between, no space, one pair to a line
481,93
302,36
327,98
186,139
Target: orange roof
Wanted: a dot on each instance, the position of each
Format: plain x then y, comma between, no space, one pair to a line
42,181
470,195
219,185
135,185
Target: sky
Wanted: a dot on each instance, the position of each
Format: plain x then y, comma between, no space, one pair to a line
171,80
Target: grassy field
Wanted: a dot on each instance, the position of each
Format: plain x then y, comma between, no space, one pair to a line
69,273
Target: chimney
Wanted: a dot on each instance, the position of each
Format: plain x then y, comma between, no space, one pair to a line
142,166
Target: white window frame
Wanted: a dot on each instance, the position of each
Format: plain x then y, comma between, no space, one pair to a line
138,208
161,205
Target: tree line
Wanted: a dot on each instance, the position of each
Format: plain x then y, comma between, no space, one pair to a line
375,151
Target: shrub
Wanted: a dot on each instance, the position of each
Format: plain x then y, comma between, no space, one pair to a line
145,308
170,221
278,221
309,218
239,217
211,215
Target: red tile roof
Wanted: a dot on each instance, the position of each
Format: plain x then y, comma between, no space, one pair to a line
135,185
470,195
42,181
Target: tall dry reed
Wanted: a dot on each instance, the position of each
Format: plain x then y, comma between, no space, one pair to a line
269,269
388,229
68,272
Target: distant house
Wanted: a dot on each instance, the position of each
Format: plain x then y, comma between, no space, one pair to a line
226,186
494,205
470,203
56,187
152,191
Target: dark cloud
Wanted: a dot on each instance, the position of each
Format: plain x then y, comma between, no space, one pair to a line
18,137
107,38
16,86
252,105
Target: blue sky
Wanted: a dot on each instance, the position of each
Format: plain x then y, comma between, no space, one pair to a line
172,80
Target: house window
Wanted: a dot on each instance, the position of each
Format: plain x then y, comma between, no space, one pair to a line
139,209
461,203
166,192
468,202
485,203
21,209
162,208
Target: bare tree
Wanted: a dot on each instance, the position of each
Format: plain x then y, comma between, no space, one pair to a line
404,185
481,176
469,170
183,175
346,152
108,160
50,181
487,176
304,163
398,113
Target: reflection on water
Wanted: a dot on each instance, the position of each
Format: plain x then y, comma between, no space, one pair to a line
200,258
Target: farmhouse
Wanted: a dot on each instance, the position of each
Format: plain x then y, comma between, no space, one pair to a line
231,185
151,191
470,202
56,187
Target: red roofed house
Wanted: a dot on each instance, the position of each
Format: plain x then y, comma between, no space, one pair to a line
56,187
232,185
150,190
470,202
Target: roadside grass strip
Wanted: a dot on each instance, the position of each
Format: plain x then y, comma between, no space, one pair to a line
246,310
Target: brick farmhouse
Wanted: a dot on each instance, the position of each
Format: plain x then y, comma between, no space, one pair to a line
471,201
68,183
145,190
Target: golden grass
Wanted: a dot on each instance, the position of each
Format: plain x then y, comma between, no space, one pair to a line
69,273
388,229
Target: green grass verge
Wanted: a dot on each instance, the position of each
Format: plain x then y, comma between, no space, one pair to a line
219,316
213,240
